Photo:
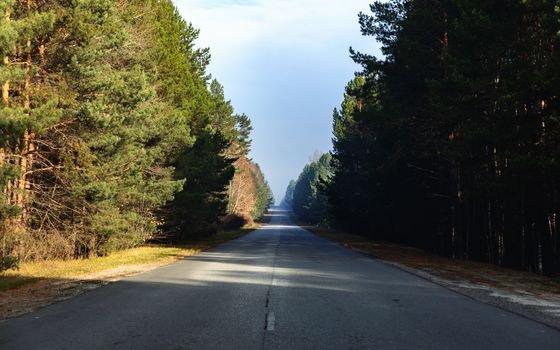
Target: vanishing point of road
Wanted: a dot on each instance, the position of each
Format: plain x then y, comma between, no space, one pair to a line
279,287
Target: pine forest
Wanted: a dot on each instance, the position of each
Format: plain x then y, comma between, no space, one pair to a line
112,133
450,140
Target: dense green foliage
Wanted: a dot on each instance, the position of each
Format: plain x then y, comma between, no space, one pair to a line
110,128
306,195
450,141
289,195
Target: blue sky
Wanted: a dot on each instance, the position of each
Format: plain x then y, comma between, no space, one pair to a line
285,64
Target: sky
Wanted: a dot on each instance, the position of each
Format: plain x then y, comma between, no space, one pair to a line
285,64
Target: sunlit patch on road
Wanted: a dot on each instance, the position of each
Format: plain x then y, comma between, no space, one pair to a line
280,227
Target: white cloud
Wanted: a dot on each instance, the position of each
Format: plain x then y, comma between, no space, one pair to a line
306,24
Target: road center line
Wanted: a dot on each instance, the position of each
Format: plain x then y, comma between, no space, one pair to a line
270,321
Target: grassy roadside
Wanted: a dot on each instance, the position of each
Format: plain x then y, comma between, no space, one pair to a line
156,255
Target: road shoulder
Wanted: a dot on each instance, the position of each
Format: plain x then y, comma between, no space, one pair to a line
530,295
41,284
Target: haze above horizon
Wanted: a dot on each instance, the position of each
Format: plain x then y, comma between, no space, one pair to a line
285,64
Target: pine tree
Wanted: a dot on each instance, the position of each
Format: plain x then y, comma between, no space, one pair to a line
448,143
25,112
288,199
110,129
309,202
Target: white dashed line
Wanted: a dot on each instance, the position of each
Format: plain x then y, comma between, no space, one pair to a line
270,321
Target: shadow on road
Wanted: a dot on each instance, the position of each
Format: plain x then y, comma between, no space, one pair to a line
320,296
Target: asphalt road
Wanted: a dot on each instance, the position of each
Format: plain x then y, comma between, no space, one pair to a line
277,288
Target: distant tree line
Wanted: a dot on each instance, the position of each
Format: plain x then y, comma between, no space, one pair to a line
306,197
249,194
111,130
451,141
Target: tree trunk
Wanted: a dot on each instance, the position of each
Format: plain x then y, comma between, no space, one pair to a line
5,101
6,84
26,154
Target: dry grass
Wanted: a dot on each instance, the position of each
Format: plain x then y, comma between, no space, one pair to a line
39,284
77,269
56,269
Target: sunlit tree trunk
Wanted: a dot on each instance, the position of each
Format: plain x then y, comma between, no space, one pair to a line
5,103
6,86
5,93
26,161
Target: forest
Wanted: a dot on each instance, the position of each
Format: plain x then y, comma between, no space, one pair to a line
450,140
306,195
112,133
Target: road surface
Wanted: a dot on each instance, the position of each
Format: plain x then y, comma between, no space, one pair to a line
279,287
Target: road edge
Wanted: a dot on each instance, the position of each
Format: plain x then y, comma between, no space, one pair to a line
482,296
43,293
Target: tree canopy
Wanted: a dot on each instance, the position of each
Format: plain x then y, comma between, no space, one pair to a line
450,140
111,131
305,195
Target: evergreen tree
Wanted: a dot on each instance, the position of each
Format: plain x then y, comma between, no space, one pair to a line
288,199
249,195
110,131
25,112
309,203
448,143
